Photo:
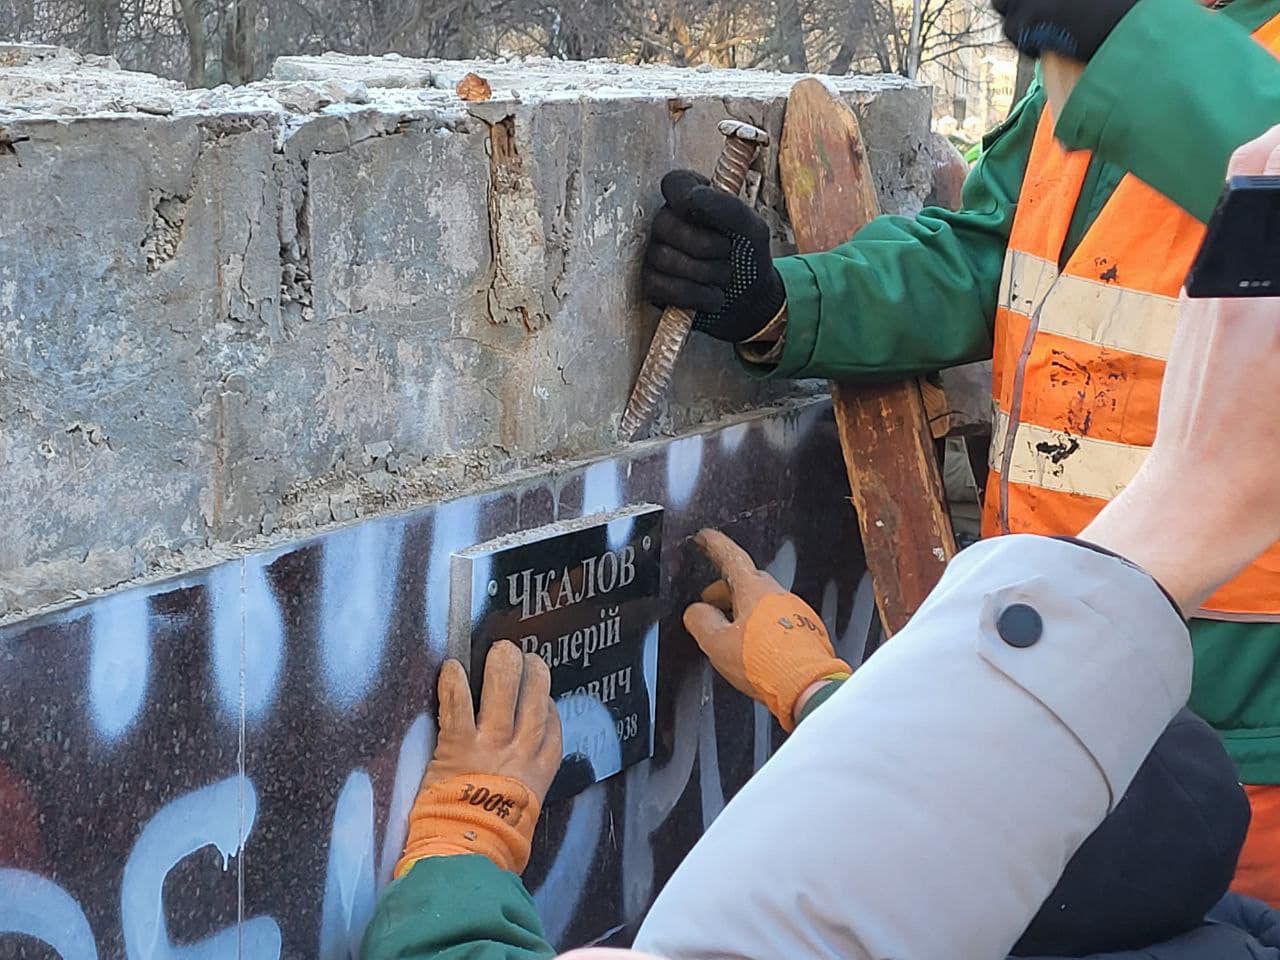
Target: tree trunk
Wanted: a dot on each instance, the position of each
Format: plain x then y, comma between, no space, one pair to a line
99,16
239,41
791,36
377,41
842,61
915,41
193,27
1026,73
860,26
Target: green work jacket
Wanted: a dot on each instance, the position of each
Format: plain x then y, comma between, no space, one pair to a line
909,295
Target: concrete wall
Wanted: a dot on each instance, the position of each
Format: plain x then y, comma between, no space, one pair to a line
231,316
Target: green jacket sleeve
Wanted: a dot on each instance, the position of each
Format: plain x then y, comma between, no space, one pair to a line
909,295
818,699
456,908
1172,93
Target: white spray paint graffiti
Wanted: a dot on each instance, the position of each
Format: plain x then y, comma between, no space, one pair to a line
762,736
850,645
247,629
731,437
709,786
356,597
558,897
119,661
783,565
652,793
684,465
853,645
650,667
618,532
601,489
226,636
581,718
602,492
349,890
263,641
210,816
785,433
351,885
830,603
415,751
39,908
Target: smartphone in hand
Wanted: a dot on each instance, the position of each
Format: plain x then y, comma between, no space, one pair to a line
1240,256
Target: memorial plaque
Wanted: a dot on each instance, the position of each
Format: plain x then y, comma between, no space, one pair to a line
584,596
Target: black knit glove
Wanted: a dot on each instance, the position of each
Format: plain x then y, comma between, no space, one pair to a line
1073,28
709,252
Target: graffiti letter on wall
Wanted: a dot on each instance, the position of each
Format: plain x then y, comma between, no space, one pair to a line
415,750
684,465
709,786
39,908
119,661
582,719
247,632
210,816
349,884
356,595
652,793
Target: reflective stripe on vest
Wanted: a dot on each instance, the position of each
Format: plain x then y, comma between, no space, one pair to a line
1079,355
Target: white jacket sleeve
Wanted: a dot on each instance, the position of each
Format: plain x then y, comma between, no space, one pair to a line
928,808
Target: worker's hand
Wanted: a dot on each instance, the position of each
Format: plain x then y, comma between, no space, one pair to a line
483,789
1207,500
1073,28
709,252
1259,157
775,647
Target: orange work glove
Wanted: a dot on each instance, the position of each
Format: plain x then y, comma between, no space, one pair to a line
484,787
775,647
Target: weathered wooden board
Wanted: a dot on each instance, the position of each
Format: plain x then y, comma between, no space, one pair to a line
884,429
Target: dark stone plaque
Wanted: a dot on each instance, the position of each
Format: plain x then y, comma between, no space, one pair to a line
584,595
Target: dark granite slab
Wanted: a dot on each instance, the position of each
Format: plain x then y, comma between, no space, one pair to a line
242,746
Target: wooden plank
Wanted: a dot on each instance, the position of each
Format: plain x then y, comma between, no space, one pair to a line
884,429
937,409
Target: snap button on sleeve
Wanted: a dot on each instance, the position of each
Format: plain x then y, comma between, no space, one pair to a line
1019,625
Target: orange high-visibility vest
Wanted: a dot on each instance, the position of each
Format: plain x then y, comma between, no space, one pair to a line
1080,352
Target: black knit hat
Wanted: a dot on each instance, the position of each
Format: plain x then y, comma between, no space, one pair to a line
1159,862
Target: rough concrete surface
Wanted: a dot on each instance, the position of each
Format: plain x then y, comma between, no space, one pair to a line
229,314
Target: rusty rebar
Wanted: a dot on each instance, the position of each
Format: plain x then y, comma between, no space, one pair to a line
742,141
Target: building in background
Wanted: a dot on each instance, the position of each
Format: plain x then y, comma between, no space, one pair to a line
974,81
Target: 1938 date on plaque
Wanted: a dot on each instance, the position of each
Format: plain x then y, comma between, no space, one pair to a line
583,595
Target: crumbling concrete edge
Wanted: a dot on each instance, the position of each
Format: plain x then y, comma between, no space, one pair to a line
191,564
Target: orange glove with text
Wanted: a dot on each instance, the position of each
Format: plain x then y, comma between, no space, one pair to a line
775,647
483,790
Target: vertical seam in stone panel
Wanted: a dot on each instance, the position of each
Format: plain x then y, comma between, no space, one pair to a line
243,774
